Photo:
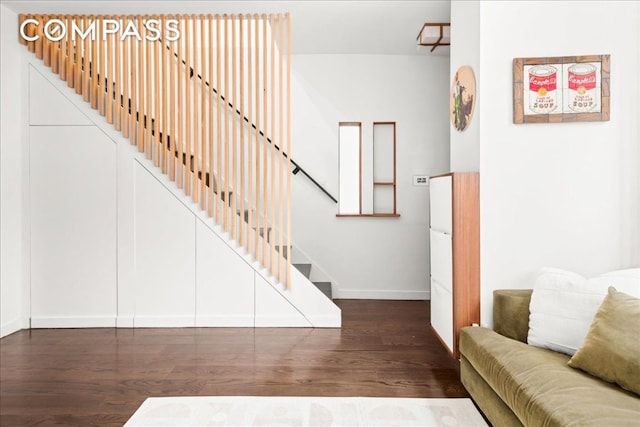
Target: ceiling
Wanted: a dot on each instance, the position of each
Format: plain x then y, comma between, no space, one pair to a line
317,27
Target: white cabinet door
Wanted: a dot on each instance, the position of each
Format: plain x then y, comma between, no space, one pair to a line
442,313
440,203
441,259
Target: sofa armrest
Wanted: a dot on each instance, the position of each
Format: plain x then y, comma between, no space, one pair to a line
511,313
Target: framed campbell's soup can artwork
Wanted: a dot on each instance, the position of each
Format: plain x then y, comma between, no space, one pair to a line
561,89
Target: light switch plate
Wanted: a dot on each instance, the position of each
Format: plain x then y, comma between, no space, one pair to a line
420,180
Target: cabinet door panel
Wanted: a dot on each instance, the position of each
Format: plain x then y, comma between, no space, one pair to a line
442,313
440,203
441,259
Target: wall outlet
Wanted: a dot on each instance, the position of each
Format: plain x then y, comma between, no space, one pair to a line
420,180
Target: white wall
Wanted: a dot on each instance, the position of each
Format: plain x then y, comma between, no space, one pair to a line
465,50
12,211
563,195
368,257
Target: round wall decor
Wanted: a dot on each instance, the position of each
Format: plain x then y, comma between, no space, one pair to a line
462,99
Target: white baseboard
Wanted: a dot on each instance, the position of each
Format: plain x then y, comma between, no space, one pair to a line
380,294
124,322
268,321
10,327
224,321
73,322
321,321
164,322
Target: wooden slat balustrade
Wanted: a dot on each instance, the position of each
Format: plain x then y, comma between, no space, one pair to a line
208,108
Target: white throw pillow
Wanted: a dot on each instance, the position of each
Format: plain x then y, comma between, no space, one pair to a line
564,303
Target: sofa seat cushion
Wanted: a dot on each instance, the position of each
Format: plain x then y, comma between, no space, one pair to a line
539,386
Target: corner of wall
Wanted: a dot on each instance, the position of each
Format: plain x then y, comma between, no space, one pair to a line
12,175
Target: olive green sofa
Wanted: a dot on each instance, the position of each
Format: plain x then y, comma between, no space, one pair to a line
515,384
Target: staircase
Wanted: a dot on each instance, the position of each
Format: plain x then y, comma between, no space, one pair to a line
210,109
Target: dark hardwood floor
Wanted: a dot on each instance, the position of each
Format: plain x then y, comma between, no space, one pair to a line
101,376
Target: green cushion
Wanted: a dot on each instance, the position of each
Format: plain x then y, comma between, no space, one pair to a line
511,313
611,349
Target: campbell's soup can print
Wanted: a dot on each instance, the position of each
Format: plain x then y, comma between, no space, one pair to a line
581,85
542,89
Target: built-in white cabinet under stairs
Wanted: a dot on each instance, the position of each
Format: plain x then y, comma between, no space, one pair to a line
114,242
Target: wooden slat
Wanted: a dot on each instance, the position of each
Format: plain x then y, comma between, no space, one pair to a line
103,69
86,57
21,18
210,99
225,49
234,100
133,120
109,77
218,202
70,53
256,49
31,31
46,45
140,96
117,79
196,115
288,172
281,259
203,112
62,58
126,73
179,140
157,85
94,66
148,90
55,54
187,101
173,102
39,42
250,168
265,189
272,200
164,87
79,45
240,188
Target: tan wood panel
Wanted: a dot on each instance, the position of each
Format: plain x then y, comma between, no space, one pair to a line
179,140
109,77
195,64
172,101
226,143
240,189
288,173
126,43
203,112
250,165
210,97
218,146
234,142
272,199
281,260
117,79
256,50
187,101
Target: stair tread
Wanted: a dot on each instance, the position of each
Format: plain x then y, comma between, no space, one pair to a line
304,269
325,288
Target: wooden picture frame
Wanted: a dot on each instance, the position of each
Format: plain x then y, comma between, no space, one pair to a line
561,89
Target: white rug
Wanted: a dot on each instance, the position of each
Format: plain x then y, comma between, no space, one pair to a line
245,411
